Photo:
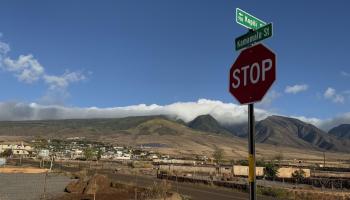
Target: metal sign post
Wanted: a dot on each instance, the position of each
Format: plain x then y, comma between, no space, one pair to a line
251,157
251,76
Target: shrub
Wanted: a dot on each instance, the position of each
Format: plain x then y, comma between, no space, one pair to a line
271,171
273,192
298,175
242,162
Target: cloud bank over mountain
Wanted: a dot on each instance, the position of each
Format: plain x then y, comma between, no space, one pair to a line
225,113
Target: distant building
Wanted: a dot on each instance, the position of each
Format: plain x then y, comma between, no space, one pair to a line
17,149
153,156
107,155
77,154
2,161
122,157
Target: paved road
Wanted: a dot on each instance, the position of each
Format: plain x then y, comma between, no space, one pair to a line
195,191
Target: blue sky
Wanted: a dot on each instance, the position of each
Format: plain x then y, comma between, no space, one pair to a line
120,53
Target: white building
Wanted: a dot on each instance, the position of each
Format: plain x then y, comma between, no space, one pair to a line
122,157
44,153
77,153
107,155
17,149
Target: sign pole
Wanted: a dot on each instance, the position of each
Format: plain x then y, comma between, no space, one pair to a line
251,158
249,89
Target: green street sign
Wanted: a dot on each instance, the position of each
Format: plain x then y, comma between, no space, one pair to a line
253,37
247,20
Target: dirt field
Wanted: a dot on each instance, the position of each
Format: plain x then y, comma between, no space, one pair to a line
25,170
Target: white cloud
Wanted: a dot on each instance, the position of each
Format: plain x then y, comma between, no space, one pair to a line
346,74
64,80
332,95
329,93
4,48
335,121
315,121
26,68
268,99
225,113
296,89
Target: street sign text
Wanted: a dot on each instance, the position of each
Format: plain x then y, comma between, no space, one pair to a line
253,37
247,20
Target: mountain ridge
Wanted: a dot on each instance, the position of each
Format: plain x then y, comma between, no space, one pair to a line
274,130
280,130
342,131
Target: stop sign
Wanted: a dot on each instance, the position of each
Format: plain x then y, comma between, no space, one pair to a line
252,74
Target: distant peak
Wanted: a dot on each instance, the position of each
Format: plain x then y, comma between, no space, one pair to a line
205,116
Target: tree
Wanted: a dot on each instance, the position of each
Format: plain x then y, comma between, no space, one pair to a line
99,154
6,153
298,175
260,163
88,153
271,171
218,155
242,162
40,143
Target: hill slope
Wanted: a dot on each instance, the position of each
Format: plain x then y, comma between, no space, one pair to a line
342,131
71,127
208,123
170,137
279,130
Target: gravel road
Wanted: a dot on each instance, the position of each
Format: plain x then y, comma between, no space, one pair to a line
31,186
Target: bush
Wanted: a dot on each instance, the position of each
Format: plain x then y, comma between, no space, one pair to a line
260,163
271,171
218,154
242,162
298,175
6,153
160,190
273,192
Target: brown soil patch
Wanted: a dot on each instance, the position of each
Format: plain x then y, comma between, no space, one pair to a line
27,170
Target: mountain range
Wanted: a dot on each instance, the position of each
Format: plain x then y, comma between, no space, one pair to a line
201,135
283,131
342,131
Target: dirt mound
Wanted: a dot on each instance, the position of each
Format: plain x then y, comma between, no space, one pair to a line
103,188
77,186
98,184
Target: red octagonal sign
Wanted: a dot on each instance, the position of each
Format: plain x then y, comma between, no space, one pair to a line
252,74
